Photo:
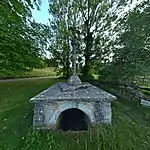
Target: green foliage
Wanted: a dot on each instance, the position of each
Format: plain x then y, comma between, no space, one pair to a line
131,50
112,43
81,16
21,40
59,46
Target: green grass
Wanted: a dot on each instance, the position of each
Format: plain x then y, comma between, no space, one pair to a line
130,127
146,92
48,71
144,83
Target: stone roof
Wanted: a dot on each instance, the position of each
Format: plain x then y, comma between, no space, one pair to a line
62,91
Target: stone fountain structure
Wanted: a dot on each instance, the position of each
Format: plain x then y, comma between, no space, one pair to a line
49,105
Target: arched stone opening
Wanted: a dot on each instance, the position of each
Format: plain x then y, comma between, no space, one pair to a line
73,119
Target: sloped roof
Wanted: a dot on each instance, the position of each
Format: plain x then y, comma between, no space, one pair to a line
62,91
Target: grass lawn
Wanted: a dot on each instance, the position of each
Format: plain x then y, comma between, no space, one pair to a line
48,71
130,128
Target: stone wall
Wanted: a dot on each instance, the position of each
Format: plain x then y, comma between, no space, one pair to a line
102,112
126,91
47,114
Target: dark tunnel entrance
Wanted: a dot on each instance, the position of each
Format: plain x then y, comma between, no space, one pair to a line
73,119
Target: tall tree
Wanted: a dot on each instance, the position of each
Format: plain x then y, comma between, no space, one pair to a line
102,27
131,49
20,38
60,46
87,18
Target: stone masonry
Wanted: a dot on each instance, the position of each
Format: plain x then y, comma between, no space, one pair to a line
49,104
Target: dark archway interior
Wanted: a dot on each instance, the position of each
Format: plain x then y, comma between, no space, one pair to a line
73,119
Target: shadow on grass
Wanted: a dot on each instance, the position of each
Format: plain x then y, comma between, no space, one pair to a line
130,124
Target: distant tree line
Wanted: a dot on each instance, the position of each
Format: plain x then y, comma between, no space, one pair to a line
113,37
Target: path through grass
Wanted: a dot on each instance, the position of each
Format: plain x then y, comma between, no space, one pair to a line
130,128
